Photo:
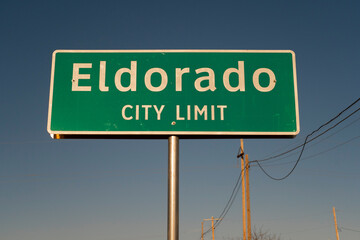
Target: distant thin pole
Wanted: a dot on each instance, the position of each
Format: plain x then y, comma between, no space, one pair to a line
243,188
248,197
213,229
336,227
202,230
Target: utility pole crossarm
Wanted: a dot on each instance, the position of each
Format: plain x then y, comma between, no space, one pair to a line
212,219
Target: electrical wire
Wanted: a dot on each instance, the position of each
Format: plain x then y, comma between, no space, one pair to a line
229,203
349,229
316,154
307,141
241,153
232,197
227,207
314,144
302,150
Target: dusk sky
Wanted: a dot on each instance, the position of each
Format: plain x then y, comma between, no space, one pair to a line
117,189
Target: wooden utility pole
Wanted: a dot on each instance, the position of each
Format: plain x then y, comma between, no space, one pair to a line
248,197
336,227
202,230
212,227
245,192
243,187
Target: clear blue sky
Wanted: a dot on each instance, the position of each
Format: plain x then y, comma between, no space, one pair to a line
117,189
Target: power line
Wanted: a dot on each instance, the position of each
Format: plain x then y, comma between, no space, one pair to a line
229,203
302,150
278,159
317,154
240,154
349,229
306,142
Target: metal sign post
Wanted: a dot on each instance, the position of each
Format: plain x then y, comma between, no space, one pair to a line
173,188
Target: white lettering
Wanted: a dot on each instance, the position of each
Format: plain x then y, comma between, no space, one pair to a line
200,112
102,73
188,112
272,80
222,107
158,111
137,112
241,74
178,76
132,72
212,112
233,79
178,113
146,107
123,112
141,111
164,79
77,76
210,79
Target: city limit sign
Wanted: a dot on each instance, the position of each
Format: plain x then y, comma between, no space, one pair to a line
188,93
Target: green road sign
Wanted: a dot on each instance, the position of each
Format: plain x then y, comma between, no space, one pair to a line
107,93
